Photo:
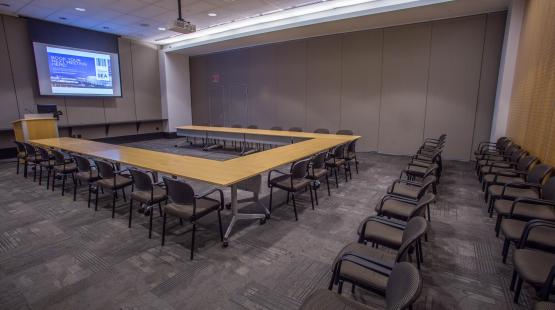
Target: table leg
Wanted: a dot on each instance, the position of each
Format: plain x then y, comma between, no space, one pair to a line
236,216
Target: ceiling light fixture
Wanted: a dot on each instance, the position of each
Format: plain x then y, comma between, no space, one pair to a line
62,18
5,4
212,14
80,9
161,28
144,25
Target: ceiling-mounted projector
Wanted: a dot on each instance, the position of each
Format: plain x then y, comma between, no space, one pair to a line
180,25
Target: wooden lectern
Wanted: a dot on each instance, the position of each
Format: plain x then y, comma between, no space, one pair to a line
39,126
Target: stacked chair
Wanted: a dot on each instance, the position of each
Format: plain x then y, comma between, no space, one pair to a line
520,190
399,225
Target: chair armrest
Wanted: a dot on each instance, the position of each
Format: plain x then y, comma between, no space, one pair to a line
531,225
520,185
365,262
535,201
121,171
211,191
548,284
378,219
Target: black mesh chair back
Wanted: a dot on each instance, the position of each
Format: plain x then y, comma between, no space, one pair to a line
83,164
517,155
339,151
179,191
416,228
526,162
298,129
538,173
299,170
105,169
548,189
346,132
59,157
322,130
43,152
252,127
319,160
29,149
141,180
403,287
351,147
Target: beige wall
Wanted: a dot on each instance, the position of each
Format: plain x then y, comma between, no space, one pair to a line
393,86
140,78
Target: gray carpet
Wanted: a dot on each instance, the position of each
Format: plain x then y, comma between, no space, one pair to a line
57,254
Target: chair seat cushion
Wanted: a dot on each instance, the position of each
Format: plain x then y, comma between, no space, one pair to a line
515,192
337,162
323,299
317,173
87,176
405,190
21,155
417,170
120,182
396,209
363,276
489,178
47,163
67,168
185,211
533,266
158,194
541,237
383,234
525,210
284,182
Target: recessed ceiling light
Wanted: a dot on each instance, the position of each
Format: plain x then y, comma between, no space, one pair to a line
144,25
80,9
212,14
5,4
161,28
62,18
105,27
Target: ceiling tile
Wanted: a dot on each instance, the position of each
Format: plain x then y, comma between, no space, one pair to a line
149,11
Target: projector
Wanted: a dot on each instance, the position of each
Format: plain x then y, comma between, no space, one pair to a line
182,26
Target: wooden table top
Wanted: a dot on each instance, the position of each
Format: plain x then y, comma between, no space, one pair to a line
222,173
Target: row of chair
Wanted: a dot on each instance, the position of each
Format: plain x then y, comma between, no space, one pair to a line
521,191
247,147
306,174
180,199
399,225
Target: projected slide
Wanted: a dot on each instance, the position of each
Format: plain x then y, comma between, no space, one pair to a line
68,71
77,72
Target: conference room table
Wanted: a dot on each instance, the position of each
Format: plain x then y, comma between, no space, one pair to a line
229,173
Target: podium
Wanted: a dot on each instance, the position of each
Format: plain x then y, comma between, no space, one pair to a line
35,126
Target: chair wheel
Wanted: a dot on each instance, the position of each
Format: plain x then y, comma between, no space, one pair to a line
262,221
225,244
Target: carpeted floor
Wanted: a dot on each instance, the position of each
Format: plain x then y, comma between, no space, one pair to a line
58,254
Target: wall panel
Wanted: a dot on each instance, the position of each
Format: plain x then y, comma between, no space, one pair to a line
123,109
323,88
532,109
361,86
406,54
261,89
493,43
85,111
199,91
146,81
290,83
453,85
